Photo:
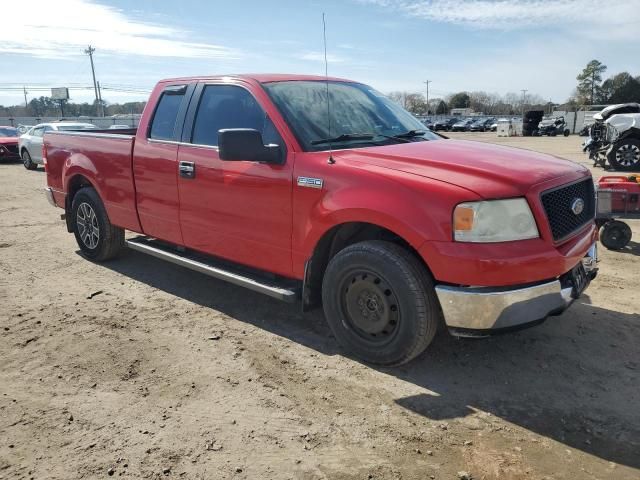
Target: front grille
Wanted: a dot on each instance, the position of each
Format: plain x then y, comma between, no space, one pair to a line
558,204
12,148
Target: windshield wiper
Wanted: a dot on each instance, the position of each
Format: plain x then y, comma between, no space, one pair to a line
401,137
344,138
410,134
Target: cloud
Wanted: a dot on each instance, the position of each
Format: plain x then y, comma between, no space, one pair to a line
618,18
62,28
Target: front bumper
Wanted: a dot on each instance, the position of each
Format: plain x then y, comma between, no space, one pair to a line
473,311
7,154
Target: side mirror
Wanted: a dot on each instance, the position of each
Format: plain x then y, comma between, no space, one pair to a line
238,144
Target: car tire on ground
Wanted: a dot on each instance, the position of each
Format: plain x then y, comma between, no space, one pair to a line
380,302
615,235
566,132
625,155
27,161
97,238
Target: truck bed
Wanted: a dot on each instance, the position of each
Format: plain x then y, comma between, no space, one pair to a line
102,157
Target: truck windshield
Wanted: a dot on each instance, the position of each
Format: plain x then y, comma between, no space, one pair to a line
360,116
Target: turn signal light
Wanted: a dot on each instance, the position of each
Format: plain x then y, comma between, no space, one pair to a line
463,218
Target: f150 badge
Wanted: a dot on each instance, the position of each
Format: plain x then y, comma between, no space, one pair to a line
310,182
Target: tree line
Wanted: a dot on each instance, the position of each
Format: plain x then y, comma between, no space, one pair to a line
591,90
619,88
48,107
480,101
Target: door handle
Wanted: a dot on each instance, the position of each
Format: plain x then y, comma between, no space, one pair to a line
187,169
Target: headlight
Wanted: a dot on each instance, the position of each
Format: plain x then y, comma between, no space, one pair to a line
494,221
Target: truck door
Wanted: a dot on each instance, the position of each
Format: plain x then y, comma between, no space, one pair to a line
237,210
155,165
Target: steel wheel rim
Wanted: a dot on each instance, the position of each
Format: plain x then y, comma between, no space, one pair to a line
88,228
628,155
369,306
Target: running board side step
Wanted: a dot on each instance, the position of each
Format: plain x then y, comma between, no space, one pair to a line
210,267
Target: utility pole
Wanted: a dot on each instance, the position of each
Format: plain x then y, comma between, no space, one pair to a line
24,89
89,51
524,97
427,82
100,99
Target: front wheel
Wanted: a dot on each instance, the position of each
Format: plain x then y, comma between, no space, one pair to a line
380,302
97,238
27,161
625,155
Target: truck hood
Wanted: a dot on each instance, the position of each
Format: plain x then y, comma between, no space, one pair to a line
8,140
491,171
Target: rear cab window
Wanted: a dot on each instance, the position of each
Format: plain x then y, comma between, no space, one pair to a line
163,124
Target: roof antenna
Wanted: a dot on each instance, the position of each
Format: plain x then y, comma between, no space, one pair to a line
331,161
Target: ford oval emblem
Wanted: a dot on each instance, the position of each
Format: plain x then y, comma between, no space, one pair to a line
577,206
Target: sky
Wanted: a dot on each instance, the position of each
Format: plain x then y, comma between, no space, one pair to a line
498,46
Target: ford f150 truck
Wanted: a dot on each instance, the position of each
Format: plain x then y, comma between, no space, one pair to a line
321,189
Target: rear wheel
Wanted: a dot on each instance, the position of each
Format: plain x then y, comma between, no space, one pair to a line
625,155
615,235
97,238
27,161
380,302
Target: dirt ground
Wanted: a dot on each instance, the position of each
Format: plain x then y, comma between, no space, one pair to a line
140,369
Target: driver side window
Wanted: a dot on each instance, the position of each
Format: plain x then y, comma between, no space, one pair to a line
229,106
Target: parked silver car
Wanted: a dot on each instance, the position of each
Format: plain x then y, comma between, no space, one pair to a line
30,143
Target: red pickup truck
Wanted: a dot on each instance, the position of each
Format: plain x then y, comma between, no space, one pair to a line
321,189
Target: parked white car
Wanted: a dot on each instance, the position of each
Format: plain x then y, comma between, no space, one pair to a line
30,143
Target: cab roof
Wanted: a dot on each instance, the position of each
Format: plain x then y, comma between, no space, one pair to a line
261,78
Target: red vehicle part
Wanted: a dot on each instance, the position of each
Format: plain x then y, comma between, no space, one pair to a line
9,148
618,198
618,195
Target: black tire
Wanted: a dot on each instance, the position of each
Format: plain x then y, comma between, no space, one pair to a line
27,161
615,235
625,155
566,132
97,238
380,302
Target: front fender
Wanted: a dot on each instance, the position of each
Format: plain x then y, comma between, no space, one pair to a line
415,208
